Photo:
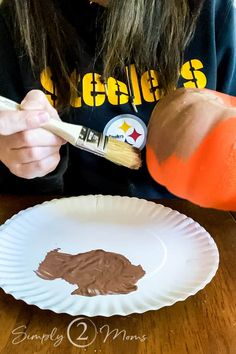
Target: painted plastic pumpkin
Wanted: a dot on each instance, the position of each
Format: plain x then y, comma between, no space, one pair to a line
191,146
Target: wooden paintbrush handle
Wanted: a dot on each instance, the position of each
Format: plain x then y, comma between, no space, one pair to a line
8,105
69,132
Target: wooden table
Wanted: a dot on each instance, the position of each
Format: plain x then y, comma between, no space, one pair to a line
203,324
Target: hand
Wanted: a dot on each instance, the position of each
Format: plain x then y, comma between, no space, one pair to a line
26,149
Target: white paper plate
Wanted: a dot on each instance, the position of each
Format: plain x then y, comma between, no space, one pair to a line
177,254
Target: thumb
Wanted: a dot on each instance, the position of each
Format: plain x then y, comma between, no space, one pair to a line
37,100
34,100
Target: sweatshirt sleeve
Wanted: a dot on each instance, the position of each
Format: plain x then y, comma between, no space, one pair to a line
226,47
12,87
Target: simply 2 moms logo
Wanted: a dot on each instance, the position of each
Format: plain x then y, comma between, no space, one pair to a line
81,333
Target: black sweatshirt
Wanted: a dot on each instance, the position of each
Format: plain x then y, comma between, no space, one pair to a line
210,61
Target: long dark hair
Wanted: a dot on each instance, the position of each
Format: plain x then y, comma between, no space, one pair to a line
152,34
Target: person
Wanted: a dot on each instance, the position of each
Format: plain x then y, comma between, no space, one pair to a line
105,65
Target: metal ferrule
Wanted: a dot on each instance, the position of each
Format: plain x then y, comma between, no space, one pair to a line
92,141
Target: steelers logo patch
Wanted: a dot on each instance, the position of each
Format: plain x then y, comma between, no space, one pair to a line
128,128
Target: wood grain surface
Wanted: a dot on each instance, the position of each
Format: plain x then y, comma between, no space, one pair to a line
203,324
234,214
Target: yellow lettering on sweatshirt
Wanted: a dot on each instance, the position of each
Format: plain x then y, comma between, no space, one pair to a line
117,92
133,77
150,88
49,86
90,90
93,90
190,71
75,100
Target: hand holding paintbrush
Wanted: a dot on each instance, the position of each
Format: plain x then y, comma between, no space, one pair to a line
84,138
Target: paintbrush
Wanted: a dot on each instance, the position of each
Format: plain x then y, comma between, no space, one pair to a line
87,139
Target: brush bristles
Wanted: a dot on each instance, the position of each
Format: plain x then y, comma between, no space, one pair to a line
123,154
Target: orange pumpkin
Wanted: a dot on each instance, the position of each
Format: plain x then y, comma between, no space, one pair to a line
191,146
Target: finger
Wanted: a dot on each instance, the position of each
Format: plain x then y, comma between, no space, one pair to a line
13,122
35,137
32,154
37,100
36,169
